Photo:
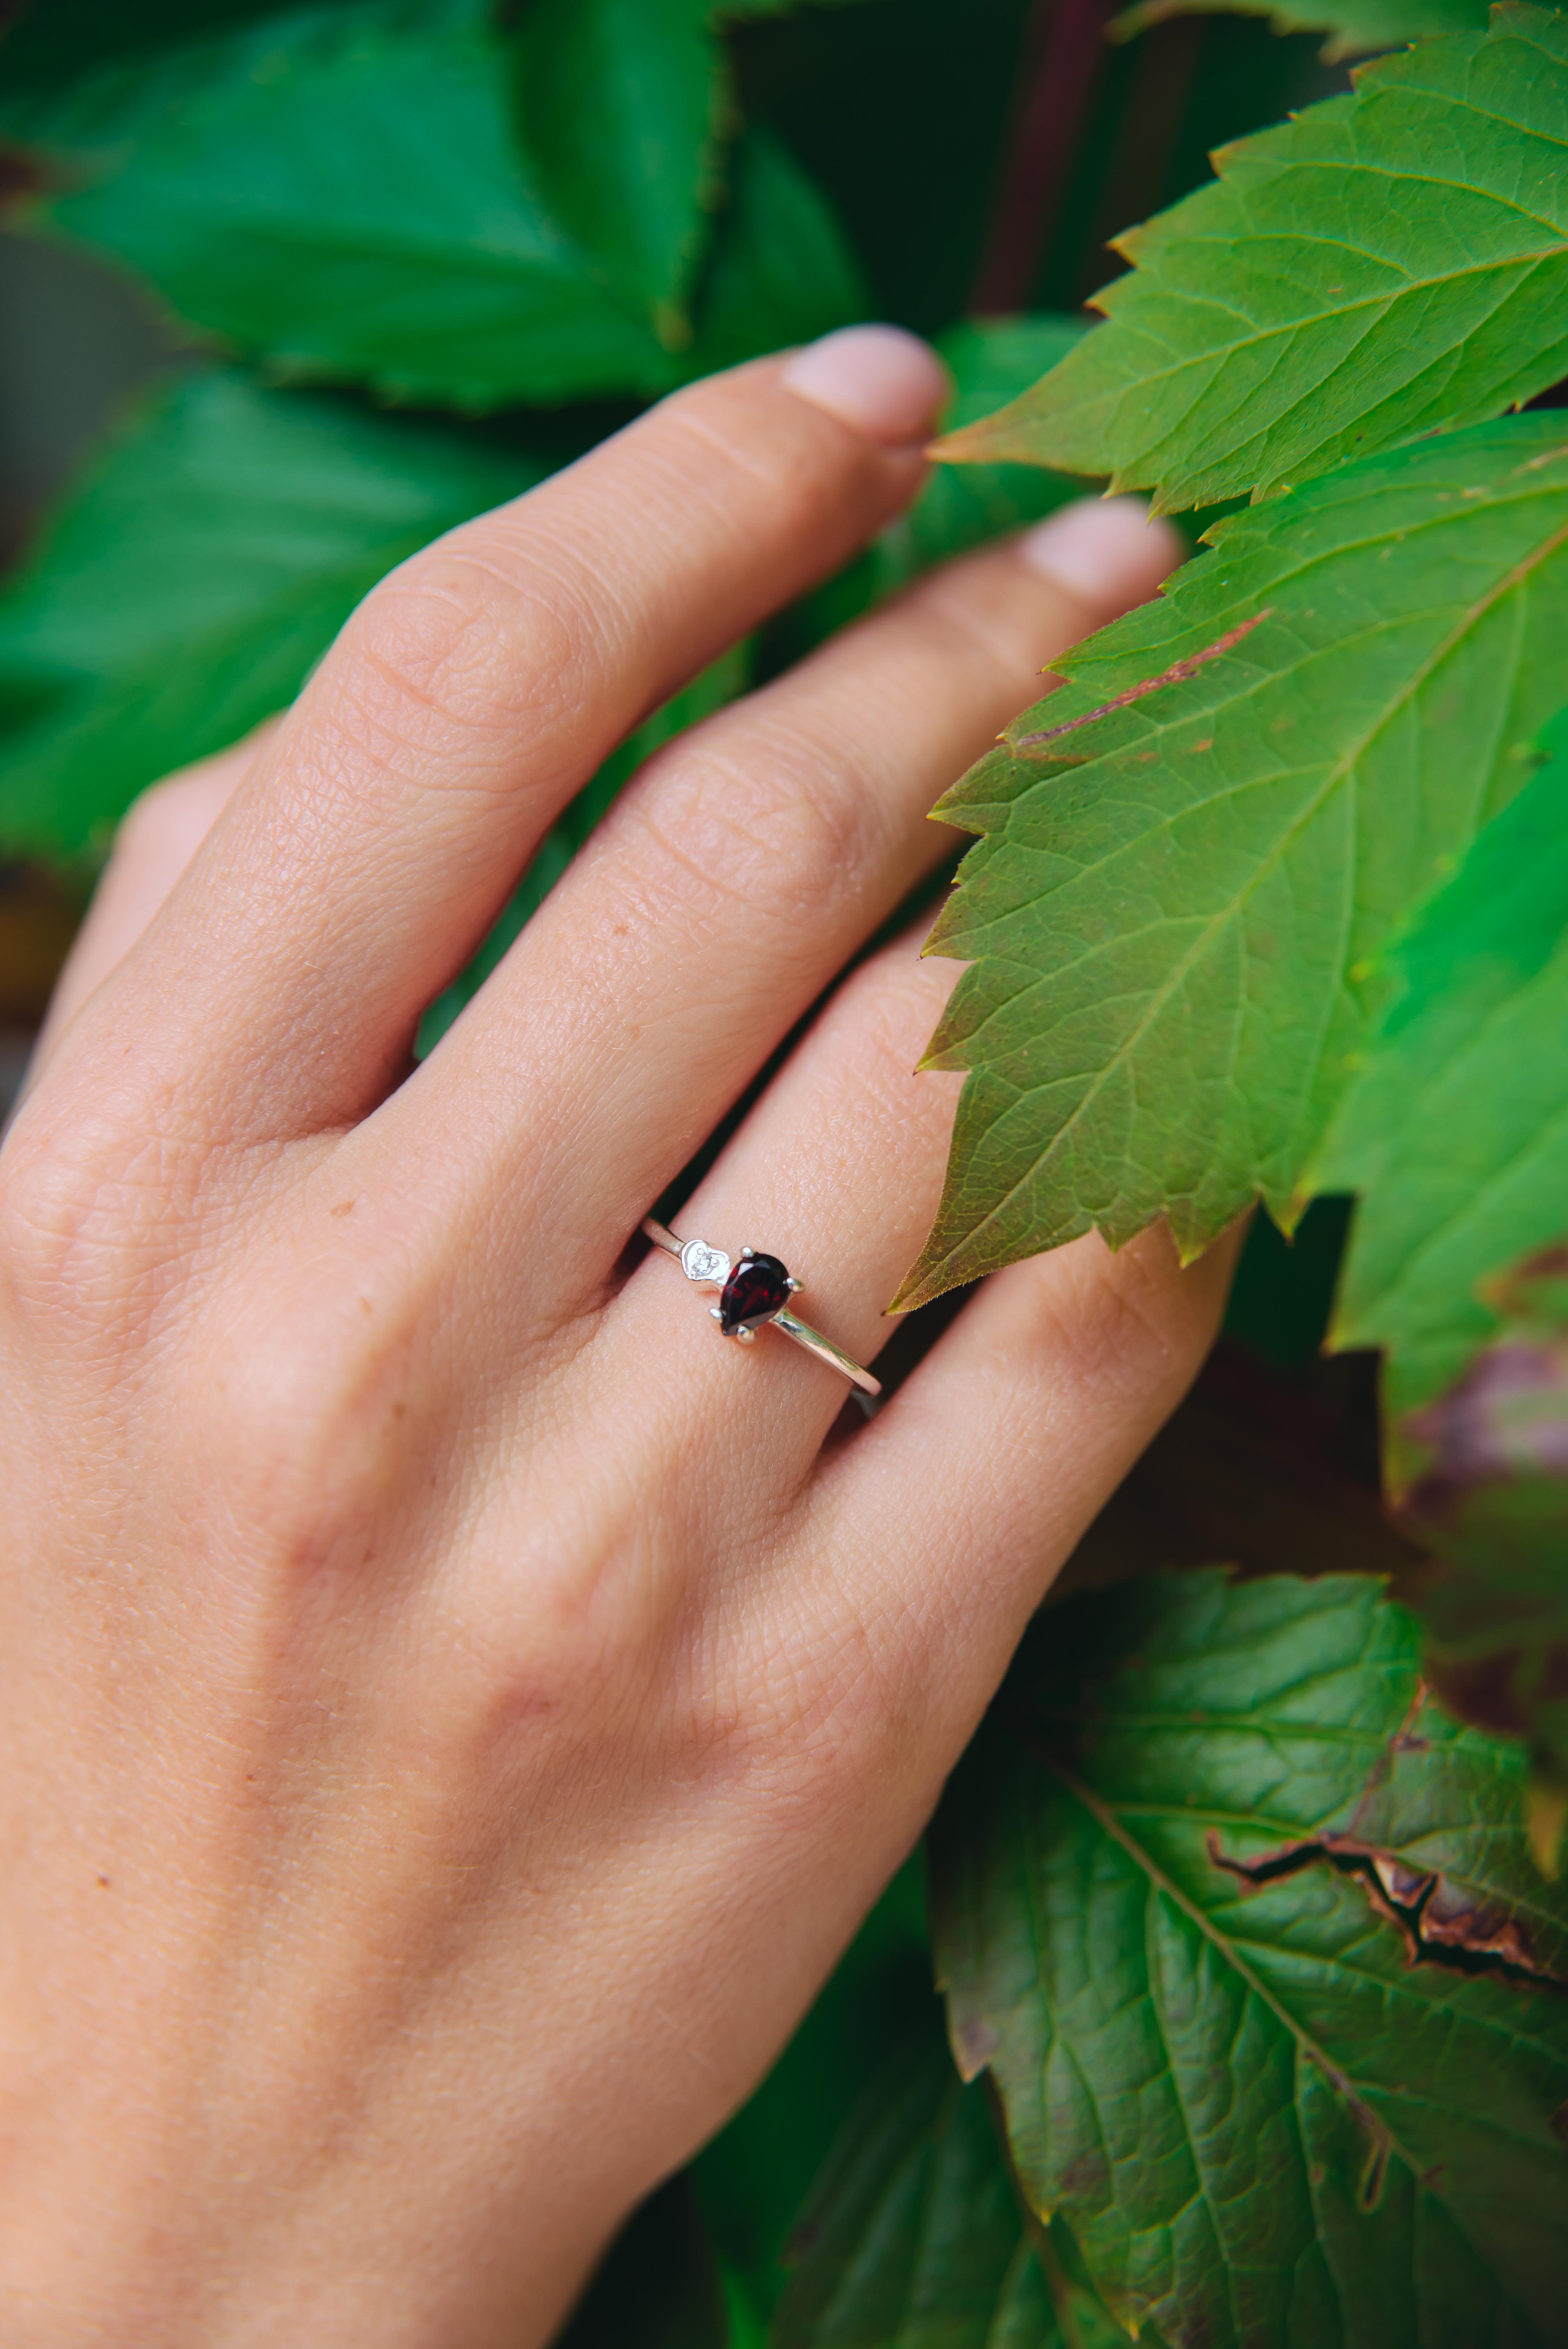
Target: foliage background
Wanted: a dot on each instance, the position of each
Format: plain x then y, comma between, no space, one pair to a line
1239,1923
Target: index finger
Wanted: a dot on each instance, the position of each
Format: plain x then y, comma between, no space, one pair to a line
463,704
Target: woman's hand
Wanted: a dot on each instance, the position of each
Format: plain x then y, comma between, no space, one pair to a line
454,1708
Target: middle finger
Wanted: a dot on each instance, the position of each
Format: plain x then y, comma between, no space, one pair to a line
737,874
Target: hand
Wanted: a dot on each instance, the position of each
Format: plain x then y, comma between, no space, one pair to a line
456,1708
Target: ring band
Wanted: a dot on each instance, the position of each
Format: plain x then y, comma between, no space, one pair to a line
754,1290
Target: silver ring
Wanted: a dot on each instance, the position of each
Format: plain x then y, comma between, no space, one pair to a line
754,1291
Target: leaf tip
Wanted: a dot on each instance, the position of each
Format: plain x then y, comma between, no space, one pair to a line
970,445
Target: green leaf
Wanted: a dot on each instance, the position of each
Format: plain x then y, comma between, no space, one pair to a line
53,43
352,207
1354,25
205,565
337,193
913,2238
85,79
1455,1131
1246,1930
625,108
781,273
1381,266
1491,1497
1190,855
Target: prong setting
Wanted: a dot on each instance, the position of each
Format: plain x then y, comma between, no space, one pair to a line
754,1291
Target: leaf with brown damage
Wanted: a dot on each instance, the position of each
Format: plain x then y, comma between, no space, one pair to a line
1244,1928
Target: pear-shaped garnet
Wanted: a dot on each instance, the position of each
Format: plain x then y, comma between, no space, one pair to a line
754,1292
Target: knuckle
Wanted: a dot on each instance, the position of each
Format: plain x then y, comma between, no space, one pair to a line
783,838
92,1213
1123,1321
890,1008
450,646
310,1432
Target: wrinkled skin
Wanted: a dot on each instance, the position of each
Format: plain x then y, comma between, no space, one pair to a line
456,1707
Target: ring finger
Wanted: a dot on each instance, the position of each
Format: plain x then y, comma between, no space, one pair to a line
739,872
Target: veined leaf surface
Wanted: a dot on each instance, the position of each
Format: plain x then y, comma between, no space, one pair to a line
1246,1931
357,210
913,2238
1380,266
347,202
85,79
206,564
1191,854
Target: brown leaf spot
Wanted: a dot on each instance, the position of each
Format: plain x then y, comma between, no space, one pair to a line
1177,674
1439,1923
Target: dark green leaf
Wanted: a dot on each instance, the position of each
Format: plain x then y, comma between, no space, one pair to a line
1353,25
353,206
85,79
624,106
1485,1468
1245,1929
781,273
338,193
208,561
902,117
913,2238
1379,266
57,43
1455,1131
1191,854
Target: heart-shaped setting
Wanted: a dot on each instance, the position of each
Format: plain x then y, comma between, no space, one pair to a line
701,1262
754,1292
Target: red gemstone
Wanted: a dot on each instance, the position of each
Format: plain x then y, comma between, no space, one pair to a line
754,1292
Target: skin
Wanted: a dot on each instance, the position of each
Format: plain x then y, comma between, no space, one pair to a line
454,1708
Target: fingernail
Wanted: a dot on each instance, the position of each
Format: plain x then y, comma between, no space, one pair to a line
1104,551
877,379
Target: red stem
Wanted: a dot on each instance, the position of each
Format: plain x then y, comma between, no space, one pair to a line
1064,52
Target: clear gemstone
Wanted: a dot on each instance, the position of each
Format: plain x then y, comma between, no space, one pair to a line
701,1262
